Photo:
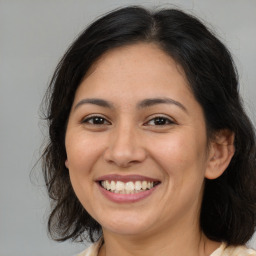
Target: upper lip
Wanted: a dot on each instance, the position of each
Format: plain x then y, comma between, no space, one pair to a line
126,178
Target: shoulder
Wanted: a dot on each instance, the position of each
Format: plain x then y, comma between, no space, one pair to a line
92,250
225,250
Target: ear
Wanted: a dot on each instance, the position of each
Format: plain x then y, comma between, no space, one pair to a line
66,163
221,152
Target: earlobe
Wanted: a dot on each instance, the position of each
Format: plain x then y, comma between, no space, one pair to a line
66,163
221,152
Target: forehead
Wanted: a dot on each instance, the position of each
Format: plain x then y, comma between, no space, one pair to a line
137,53
141,65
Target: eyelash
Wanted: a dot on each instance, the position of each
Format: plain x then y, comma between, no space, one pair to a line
96,118
161,119
99,120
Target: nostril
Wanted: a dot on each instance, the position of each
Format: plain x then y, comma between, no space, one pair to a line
124,157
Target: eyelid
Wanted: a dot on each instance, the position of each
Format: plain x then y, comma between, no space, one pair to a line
91,116
152,117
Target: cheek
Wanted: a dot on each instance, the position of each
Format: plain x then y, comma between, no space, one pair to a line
181,155
81,152
176,147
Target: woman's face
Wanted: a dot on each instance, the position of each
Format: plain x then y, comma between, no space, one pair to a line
136,143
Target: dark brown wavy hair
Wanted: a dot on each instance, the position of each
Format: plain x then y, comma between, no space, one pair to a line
228,211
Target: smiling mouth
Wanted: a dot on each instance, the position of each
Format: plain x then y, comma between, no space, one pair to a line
130,187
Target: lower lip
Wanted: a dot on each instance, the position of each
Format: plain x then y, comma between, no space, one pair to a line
126,198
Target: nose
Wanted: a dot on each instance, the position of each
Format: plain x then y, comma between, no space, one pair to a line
125,147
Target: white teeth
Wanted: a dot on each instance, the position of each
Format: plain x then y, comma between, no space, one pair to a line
144,185
108,187
150,185
128,187
119,185
112,185
138,185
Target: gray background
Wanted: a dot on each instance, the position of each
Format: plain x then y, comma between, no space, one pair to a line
33,36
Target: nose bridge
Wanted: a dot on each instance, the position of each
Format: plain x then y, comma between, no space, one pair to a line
124,138
125,145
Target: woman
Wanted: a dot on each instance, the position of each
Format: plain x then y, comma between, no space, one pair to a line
150,151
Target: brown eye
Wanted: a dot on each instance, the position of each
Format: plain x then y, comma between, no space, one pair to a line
160,121
96,120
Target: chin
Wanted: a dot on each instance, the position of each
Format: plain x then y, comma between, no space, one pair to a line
126,226
126,230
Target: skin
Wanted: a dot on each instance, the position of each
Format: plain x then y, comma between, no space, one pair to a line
130,140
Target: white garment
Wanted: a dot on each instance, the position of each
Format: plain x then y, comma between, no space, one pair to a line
223,250
92,250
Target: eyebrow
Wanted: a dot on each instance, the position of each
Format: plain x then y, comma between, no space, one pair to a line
154,101
95,101
143,104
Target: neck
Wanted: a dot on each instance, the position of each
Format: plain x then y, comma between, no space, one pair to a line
166,243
